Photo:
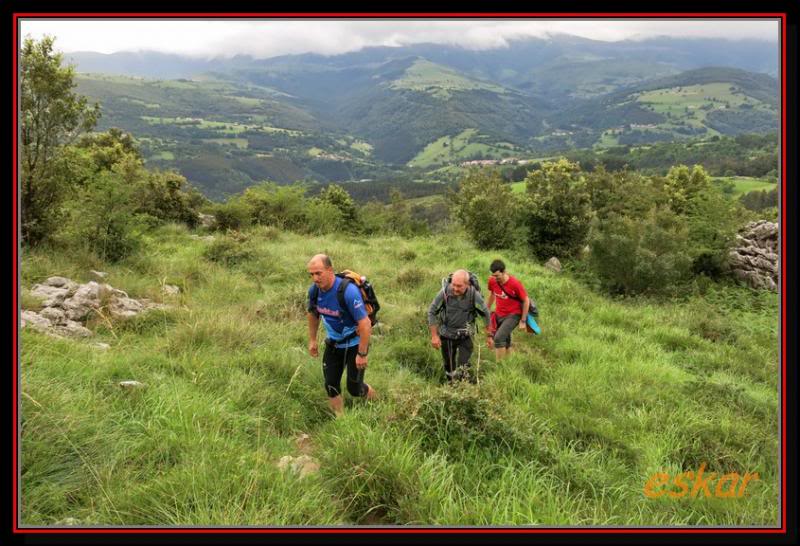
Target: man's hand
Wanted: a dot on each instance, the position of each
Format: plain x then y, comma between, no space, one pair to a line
436,342
313,349
361,362
489,341
523,324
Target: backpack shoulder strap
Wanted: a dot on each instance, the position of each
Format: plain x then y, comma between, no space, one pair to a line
345,282
313,298
509,295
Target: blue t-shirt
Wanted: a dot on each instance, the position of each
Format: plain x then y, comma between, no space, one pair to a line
339,324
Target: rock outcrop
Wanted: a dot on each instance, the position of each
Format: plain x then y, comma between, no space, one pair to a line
754,259
67,305
553,264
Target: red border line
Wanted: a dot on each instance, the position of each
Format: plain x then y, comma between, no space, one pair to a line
394,15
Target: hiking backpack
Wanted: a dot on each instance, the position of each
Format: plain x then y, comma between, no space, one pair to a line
365,287
473,282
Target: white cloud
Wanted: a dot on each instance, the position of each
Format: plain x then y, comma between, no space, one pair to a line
267,38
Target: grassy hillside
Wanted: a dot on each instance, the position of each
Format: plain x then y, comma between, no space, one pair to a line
468,144
439,81
707,102
565,432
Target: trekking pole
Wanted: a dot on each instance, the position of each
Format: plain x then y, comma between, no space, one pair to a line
478,367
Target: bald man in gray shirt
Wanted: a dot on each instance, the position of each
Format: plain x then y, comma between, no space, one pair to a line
451,320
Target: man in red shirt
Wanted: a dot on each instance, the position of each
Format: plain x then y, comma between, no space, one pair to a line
512,306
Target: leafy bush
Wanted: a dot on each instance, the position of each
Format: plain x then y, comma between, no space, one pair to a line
233,214
713,221
623,192
227,251
325,217
632,256
487,208
273,205
338,197
103,218
558,212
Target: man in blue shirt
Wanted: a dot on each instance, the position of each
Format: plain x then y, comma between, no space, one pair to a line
348,331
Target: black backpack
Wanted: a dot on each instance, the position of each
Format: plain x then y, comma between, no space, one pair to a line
367,294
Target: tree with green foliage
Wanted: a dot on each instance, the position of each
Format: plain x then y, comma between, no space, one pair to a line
103,217
51,117
640,255
682,185
488,208
624,192
559,210
712,219
279,206
338,197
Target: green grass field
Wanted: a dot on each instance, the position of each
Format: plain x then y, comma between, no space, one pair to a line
163,155
567,431
691,104
439,81
240,143
449,149
745,184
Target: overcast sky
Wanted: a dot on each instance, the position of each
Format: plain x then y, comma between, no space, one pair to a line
268,38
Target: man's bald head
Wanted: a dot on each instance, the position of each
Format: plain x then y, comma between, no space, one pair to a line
320,268
323,260
459,282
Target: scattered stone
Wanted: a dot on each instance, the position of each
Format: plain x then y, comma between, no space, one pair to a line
302,465
125,307
171,289
67,304
55,315
101,346
85,298
59,282
754,260
72,329
206,220
303,443
553,264
35,321
129,385
52,295
207,238
98,274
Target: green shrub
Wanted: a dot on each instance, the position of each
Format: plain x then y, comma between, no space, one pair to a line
233,214
632,257
103,218
227,251
487,208
324,217
558,211
338,197
273,205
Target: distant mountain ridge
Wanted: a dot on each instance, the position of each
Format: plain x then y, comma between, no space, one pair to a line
227,123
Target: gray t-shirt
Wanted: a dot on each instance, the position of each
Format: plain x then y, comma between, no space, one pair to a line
459,311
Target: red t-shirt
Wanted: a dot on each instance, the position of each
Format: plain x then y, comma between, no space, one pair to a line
508,305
